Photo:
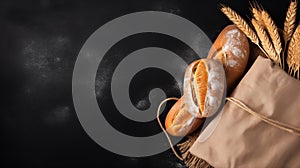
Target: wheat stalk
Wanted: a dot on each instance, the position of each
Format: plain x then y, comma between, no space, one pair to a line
265,41
293,58
289,23
240,23
273,32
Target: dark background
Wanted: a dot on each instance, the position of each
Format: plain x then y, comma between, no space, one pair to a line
39,43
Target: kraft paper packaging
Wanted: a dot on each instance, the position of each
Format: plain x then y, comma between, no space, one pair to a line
236,138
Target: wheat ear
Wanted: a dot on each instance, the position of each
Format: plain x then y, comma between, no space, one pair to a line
265,41
240,23
293,58
289,23
289,26
273,32
258,17
256,12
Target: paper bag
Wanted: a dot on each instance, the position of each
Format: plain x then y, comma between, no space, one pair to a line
236,138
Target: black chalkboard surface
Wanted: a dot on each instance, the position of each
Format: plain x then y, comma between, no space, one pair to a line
40,41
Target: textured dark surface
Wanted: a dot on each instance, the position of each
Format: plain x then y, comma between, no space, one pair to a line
39,43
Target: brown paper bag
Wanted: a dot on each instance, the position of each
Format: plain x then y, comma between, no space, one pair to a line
236,138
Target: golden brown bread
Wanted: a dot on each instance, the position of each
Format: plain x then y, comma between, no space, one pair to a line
205,81
204,86
179,122
232,49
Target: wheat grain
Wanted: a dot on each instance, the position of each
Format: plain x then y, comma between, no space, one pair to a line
289,23
240,23
256,14
265,41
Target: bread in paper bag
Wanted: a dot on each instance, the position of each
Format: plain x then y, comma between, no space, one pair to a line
236,138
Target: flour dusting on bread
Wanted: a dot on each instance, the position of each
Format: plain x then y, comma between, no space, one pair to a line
233,43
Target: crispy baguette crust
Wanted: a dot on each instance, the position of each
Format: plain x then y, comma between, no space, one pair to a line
232,49
180,122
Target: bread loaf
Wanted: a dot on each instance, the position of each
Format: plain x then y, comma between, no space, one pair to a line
204,86
205,81
180,122
232,49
